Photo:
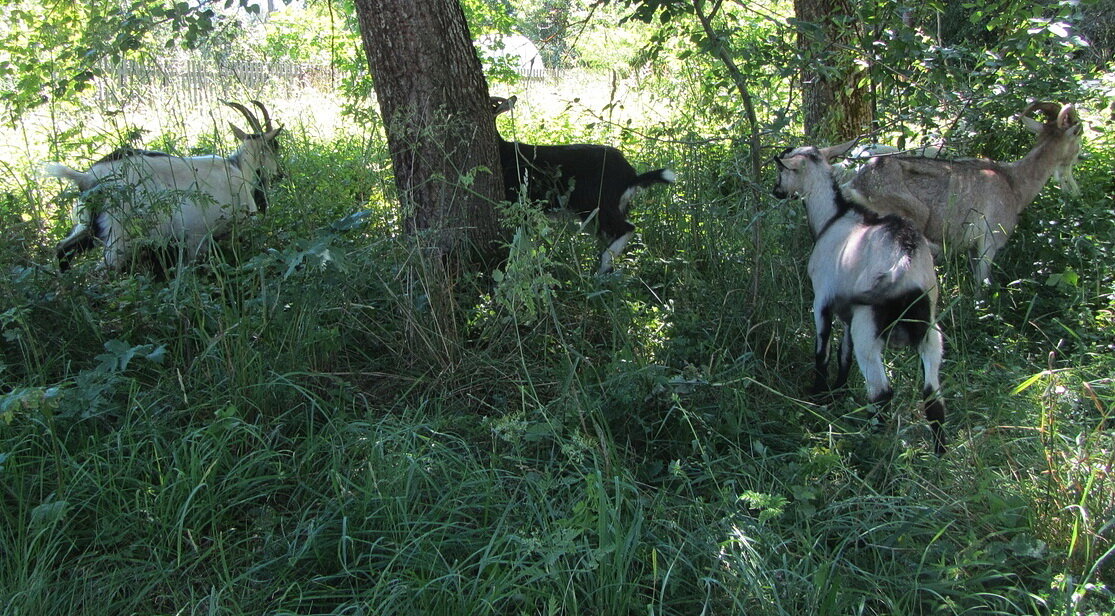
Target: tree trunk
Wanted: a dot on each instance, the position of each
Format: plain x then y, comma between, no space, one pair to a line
836,102
434,101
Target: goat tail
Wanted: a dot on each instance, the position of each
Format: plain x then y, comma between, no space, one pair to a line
882,286
658,176
84,181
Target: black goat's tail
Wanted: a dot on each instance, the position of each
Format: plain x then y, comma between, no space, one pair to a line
658,176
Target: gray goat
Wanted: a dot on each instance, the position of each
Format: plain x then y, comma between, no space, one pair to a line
974,203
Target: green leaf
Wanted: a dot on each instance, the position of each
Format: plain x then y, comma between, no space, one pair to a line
1028,382
49,513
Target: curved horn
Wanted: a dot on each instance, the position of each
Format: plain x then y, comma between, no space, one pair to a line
252,121
1049,109
266,116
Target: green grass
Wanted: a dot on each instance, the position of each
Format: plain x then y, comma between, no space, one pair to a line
294,432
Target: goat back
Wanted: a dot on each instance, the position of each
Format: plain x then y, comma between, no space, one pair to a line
861,263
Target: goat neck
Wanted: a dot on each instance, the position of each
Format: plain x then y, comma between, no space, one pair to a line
823,204
1048,156
806,173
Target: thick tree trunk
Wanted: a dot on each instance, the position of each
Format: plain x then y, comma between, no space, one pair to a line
439,123
836,101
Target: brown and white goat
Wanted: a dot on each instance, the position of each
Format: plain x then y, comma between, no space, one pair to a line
584,179
133,201
974,203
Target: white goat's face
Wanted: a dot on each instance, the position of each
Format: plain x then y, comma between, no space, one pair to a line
262,140
796,166
791,165
269,168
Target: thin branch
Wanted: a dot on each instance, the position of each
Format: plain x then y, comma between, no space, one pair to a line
738,79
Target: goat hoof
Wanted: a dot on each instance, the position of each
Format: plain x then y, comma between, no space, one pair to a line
819,393
939,445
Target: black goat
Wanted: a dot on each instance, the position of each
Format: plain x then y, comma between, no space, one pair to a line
583,178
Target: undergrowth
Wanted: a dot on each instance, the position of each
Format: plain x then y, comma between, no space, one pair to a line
293,430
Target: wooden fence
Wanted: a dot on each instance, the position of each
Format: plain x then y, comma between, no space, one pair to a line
204,83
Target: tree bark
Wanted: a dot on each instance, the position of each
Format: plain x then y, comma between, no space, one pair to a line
440,130
836,101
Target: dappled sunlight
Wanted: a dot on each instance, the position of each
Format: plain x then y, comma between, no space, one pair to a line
326,416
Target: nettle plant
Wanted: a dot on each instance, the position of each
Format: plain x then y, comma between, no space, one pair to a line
525,285
92,392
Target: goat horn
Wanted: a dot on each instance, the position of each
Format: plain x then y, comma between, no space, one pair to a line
253,122
266,116
1049,109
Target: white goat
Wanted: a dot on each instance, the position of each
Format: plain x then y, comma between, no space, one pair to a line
875,273
584,179
135,200
974,203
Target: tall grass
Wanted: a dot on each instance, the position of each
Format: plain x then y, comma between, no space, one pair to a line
290,431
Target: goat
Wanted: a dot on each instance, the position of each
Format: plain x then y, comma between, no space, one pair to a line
875,272
132,200
584,179
974,203
855,158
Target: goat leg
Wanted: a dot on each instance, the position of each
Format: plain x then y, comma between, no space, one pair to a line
822,316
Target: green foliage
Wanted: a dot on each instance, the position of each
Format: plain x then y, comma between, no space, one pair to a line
524,286
940,72
952,73
487,16
319,33
289,428
53,50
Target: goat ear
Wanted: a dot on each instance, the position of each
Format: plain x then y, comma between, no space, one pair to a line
780,159
1068,116
791,163
833,151
236,132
